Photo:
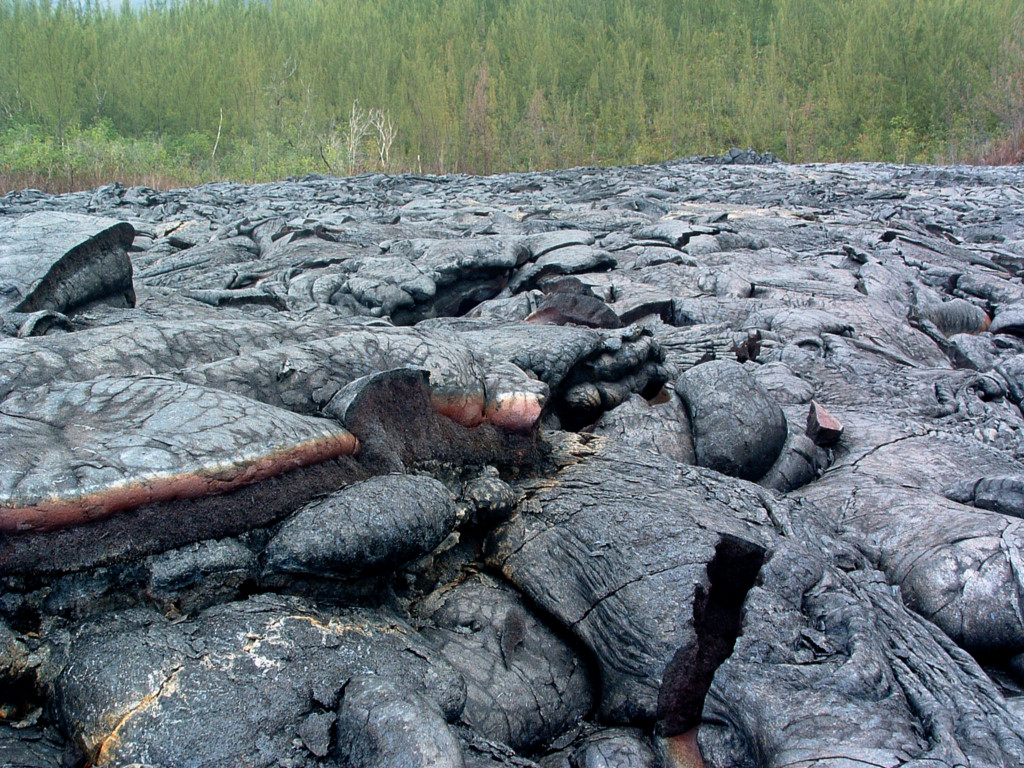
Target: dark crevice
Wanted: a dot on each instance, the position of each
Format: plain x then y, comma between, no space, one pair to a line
653,389
456,300
18,696
662,396
717,615
575,420
25,617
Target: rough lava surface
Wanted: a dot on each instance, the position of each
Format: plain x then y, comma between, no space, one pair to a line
703,464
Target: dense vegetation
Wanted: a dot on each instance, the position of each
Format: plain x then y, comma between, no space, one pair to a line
195,89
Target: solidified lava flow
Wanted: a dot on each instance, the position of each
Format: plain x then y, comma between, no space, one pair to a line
673,466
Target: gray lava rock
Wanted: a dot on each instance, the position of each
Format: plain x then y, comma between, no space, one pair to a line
955,565
142,347
492,499
370,527
543,242
661,427
80,453
14,657
738,429
799,463
1012,371
414,279
569,260
524,685
1009,320
634,575
831,669
381,725
610,748
586,370
819,621
201,574
479,752
674,232
562,308
957,316
31,748
998,494
127,682
60,261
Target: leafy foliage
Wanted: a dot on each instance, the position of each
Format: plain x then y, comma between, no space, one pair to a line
199,89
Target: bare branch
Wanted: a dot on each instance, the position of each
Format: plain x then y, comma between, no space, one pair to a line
216,143
386,133
358,127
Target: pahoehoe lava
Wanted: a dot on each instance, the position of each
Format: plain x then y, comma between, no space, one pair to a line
672,466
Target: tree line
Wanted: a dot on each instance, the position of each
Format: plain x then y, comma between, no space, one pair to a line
198,89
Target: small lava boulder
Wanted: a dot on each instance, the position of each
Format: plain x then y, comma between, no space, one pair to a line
368,527
738,428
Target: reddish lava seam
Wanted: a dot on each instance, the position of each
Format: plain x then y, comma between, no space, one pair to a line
51,514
